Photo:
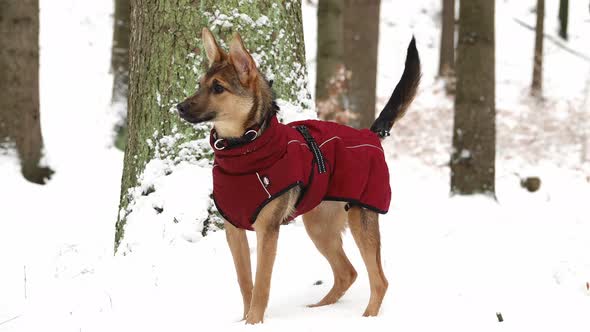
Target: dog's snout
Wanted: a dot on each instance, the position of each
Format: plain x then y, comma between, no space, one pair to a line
182,108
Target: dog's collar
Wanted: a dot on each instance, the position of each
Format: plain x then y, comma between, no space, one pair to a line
252,155
251,134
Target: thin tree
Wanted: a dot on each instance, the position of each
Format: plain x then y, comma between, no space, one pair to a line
474,131
331,74
537,83
447,39
120,68
167,58
19,85
361,41
563,18
330,46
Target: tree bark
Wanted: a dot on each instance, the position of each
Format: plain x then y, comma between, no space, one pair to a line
563,18
474,132
330,46
120,68
19,85
167,59
537,83
447,39
361,41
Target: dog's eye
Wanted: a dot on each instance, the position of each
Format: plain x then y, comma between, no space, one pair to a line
217,88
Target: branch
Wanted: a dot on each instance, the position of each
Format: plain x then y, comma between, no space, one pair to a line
25,274
9,320
555,41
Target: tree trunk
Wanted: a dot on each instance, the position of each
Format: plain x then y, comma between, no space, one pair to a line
361,41
537,84
329,52
474,132
120,68
447,39
331,75
167,59
19,85
563,18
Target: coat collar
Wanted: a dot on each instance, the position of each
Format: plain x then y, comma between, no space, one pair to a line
256,155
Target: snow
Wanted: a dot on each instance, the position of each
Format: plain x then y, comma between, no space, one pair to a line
453,262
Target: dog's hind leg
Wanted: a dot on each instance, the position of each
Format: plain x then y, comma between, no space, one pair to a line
324,225
240,250
364,226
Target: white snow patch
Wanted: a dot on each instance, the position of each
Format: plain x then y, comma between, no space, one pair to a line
170,205
290,112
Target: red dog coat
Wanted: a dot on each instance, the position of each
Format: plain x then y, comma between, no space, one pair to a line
337,163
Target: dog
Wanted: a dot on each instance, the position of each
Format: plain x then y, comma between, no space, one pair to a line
266,173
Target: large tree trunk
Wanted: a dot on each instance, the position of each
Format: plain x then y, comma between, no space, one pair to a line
19,85
120,68
537,84
447,39
563,18
361,41
167,58
474,132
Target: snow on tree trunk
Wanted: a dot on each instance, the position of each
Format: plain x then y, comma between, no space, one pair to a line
167,58
537,83
120,68
19,85
474,132
361,41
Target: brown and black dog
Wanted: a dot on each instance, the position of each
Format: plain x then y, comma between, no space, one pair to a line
235,96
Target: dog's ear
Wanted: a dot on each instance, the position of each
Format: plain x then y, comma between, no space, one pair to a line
241,60
212,49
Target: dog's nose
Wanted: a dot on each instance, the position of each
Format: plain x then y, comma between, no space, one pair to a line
182,108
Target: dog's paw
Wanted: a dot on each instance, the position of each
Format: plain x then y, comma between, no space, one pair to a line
253,321
253,318
322,303
371,312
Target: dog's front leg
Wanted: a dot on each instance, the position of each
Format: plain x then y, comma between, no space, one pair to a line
267,227
240,250
267,234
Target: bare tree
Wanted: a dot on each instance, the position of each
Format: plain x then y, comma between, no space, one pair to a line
331,74
447,39
563,18
19,85
474,132
120,68
329,51
537,83
361,41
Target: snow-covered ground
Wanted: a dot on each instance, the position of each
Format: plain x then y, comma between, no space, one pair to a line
452,263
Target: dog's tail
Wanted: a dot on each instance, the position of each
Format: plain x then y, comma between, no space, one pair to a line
402,96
